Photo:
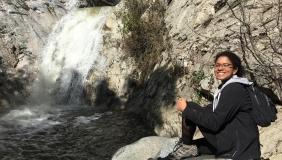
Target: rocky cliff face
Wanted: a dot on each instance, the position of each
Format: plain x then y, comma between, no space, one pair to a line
199,29
193,32
24,28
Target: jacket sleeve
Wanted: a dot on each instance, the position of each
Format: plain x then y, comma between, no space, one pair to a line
232,97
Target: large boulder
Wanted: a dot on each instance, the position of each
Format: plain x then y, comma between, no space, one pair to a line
270,138
153,147
148,147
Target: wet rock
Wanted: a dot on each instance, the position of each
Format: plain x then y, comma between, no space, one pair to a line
4,103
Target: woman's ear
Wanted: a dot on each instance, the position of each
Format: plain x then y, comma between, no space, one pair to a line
235,71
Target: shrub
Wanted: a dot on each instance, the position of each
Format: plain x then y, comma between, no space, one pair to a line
144,39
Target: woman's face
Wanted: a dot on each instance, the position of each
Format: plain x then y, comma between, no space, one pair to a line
224,69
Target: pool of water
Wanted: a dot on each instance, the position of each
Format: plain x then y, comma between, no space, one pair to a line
78,133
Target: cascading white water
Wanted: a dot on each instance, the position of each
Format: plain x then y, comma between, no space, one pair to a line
72,49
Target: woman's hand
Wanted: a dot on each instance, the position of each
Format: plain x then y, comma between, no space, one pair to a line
181,104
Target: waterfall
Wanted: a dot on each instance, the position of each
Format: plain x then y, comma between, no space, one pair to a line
72,49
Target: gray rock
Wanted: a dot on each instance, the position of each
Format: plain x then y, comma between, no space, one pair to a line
148,147
152,147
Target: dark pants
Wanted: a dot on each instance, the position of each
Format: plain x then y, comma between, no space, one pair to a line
203,144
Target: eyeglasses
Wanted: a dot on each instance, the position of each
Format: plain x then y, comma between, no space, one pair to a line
224,65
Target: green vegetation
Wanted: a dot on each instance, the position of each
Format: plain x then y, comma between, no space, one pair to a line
196,78
144,34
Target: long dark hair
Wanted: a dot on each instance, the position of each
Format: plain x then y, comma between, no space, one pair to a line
235,60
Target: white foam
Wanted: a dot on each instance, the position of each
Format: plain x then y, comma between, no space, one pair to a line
86,120
28,118
18,114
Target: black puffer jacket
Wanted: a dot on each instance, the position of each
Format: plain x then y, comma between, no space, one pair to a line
230,129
